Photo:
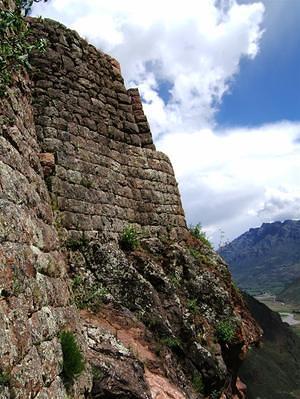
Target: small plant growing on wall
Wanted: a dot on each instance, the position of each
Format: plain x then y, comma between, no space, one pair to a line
73,362
129,240
88,296
198,233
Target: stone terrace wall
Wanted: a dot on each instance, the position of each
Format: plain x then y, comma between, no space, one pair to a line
74,82
107,172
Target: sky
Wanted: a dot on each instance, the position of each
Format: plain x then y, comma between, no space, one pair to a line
220,84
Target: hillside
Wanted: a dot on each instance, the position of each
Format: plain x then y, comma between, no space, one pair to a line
265,258
272,371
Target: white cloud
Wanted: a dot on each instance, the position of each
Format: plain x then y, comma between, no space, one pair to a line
195,46
235,179
230,179
280,204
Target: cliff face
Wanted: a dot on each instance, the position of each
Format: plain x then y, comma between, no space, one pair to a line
77,166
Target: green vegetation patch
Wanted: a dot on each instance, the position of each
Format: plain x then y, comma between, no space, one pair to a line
73,361
87,295
226,330
198,233
171,342
198,383
15,45
4,379
77,244
129,240
192,305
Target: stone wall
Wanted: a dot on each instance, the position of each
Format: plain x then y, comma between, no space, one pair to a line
34,291
107,173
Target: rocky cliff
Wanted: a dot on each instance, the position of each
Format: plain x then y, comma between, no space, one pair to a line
153,313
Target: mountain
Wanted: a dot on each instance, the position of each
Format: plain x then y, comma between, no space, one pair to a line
265,258
272,371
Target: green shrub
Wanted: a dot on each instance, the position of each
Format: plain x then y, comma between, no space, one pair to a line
197,383
80,243
4,379
88,295
175,280
73,362
171,342
15,45
129,239
192,305
198,233
226,330
195,253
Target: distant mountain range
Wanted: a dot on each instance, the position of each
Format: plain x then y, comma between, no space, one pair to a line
265,258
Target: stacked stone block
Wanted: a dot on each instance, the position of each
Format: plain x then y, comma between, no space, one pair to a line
107,173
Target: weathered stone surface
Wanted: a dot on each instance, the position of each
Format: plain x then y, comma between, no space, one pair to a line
47,162
103,178
168,319
34,290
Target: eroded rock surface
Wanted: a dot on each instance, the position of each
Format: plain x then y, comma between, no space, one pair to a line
164,302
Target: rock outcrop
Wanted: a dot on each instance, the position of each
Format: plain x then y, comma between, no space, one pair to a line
77,167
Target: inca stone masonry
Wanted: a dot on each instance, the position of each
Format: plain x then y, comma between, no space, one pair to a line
106,172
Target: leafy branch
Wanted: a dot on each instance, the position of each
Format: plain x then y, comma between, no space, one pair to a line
15,45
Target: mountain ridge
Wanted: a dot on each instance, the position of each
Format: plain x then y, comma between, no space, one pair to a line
265,258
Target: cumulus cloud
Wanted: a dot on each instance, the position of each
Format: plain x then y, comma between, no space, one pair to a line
281,204
194,46
234,179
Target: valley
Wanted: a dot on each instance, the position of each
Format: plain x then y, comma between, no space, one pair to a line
289,313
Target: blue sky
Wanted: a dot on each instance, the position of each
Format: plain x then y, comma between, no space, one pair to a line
267,88
220,86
